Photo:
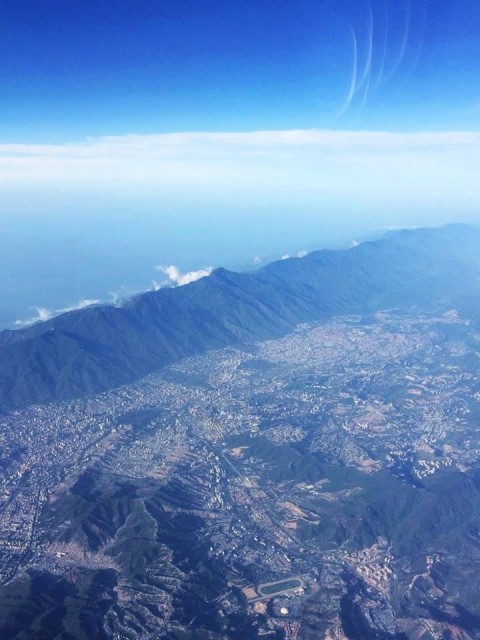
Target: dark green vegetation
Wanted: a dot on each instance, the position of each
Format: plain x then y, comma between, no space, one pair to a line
102,347
143,530
440,512
156,552
44,606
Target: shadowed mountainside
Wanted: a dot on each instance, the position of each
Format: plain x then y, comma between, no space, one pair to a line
104,346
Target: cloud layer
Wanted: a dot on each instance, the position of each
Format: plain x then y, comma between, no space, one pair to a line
323,170
253,157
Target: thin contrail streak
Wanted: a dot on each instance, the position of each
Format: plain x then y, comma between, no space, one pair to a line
353,82
405,39
367,70
384,47
419,46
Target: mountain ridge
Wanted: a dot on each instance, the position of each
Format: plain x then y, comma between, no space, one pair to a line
103,346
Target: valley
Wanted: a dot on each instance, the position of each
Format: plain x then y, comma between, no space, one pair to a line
340,461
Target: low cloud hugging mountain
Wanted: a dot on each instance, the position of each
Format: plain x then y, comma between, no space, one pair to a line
45,314
177,278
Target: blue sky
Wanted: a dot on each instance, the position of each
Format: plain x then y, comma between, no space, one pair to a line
71,68
138,134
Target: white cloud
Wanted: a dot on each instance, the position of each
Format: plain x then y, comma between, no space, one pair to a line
300,254
254,157
158,285
45,314
176,277
257,260
42,315
385,176
80,305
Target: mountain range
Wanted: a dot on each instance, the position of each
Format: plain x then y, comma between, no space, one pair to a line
104,346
